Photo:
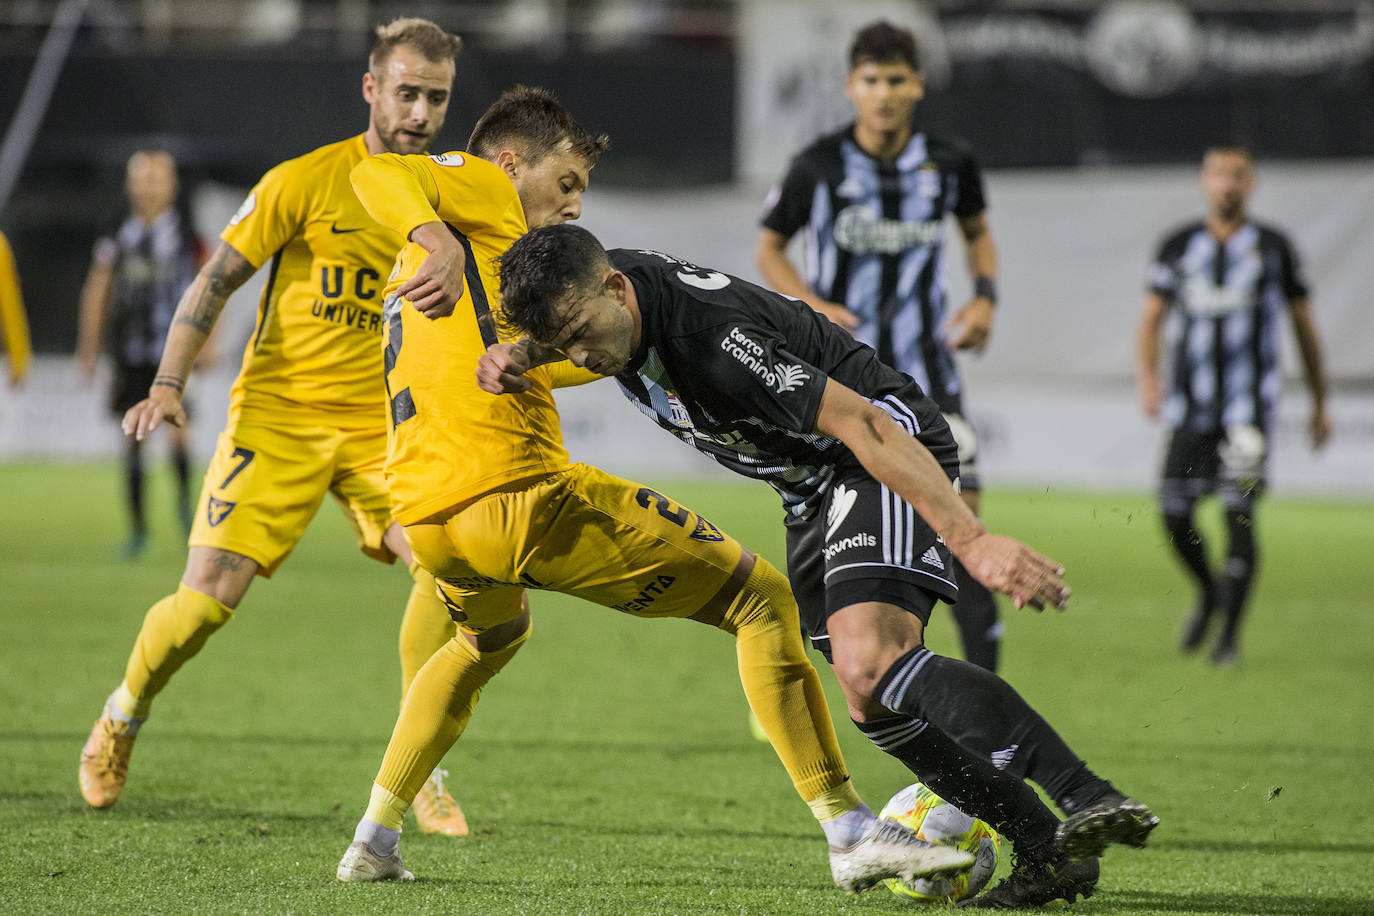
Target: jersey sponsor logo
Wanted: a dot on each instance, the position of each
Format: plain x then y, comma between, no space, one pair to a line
782,378
450,160
249,204
860,230
653,590
350,316
217,510
863,539
1204,299
334,228
840,504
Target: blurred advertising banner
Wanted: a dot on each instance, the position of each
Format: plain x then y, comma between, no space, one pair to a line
1060,84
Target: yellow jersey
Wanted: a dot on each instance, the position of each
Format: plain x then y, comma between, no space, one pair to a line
14,324
314,346
450,441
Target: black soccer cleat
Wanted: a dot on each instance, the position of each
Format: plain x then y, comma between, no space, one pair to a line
1037,884
1113,818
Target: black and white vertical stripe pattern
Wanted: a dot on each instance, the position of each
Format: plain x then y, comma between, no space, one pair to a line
899,517
888,735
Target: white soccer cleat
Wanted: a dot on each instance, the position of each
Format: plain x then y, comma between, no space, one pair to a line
362,863
889,850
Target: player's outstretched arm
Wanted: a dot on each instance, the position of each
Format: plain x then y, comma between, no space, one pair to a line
195,318
899,461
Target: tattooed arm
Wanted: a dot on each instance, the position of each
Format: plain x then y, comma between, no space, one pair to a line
195,318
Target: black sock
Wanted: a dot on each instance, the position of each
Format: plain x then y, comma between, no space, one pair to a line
969,782
1240,569
133,486
1191,549
976,615
983,713
181,464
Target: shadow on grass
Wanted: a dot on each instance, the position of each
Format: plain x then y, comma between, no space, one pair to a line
1250,904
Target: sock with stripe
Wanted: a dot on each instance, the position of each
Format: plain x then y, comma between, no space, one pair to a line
984,714
969,782
1240,569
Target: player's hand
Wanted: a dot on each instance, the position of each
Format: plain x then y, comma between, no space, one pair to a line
501,370
1150,396
438,282
838,314
971,327
162,403
1010,567
1319,427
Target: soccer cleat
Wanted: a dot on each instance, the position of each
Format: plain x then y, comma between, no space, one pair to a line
435,809
361,862
1226,655
1038,884
105,762
889,850
1113,818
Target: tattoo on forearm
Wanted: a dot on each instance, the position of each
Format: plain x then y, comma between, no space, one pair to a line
169,381
205,299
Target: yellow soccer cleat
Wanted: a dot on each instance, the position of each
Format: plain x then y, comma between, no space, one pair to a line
435,809
105,762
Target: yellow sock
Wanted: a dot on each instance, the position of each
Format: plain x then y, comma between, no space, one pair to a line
425,627
435,711
173,631
783,688
385,808
836,802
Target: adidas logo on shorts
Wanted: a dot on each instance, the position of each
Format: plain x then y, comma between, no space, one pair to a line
932,558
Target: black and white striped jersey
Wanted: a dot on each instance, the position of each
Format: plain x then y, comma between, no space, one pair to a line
874,236
737,371
1228,298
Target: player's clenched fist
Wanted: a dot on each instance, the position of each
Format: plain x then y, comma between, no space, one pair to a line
501,370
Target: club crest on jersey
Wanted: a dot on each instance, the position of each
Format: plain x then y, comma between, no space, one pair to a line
217,510
451,160
679,415
249,204
706,531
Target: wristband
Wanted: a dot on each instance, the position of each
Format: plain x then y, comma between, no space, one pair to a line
985,287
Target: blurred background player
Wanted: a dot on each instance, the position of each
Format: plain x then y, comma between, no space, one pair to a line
14,323
872,199
1228,279
137,275
306,415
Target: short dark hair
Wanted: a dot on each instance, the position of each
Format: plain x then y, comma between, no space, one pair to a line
430,41
1238,147
530,121
545,269
882,42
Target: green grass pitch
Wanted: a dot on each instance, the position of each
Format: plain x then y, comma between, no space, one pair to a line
609,768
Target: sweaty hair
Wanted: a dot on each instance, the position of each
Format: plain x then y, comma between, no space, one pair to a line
421,35
545,270
883,43
529,121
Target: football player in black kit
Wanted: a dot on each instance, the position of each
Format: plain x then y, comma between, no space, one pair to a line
866,468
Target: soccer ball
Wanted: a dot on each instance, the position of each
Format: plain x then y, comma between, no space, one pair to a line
937,821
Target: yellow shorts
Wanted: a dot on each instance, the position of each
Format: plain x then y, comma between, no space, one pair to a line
581,532
265,483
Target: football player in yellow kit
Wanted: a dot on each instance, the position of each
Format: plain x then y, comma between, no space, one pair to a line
492,504
306,414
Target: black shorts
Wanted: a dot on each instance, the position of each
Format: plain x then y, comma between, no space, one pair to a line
131,384
1197,464
864,543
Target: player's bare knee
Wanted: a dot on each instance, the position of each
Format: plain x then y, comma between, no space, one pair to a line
221,574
